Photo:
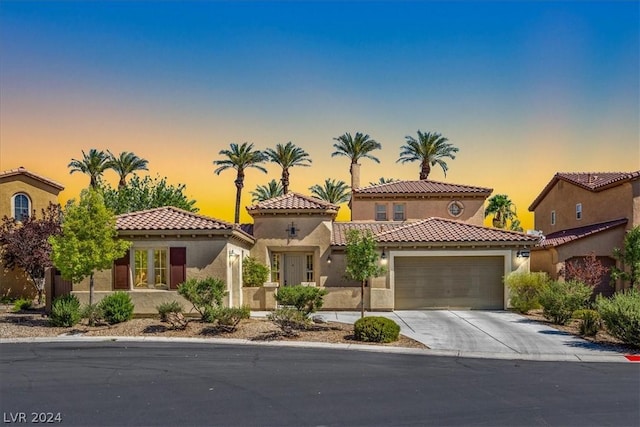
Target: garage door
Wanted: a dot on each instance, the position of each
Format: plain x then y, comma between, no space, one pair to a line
439,282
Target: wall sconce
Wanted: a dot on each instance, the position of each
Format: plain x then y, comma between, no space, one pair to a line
233,255
384,255
292,231
329,259
523,253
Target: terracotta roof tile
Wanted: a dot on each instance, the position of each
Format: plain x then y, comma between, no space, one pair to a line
421,187
23,171
293,201
565,236
168,218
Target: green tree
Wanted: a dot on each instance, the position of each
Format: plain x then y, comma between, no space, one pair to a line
88,241
355,148
503,210
383,180
92,164
240,158
629,257
266,192
125,164
429,149
362,260
145,193
331,191
287,156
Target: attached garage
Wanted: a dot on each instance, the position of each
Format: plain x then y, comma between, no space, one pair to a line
473,282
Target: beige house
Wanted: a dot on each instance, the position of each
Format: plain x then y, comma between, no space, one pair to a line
583,213
23,193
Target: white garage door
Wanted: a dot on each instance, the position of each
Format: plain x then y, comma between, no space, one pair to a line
456,282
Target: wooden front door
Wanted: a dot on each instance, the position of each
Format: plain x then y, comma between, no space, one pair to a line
293,269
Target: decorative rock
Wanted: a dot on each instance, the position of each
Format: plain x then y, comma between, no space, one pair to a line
318,319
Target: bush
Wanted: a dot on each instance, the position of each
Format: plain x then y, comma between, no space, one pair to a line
524,289
93,314
306,299
65,311
228,318
204,294
621,315
116,307
560,299
590,322
289,320
22,304
376,329
254,273
168,307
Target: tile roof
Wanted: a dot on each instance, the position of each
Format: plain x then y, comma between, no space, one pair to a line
22,171
429,230
168,218
592,181
421,187
565,236
293,201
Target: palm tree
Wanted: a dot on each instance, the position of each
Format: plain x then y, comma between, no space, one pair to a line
287,156
266,192
429,149
240,157
125,164
355,149
332,191
502,209
383,180
92,164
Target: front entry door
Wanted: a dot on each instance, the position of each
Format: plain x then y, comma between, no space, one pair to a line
293,269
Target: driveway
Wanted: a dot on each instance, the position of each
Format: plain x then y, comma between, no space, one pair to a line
499,334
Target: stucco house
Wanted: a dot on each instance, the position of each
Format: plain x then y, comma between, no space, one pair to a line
584,212
23,193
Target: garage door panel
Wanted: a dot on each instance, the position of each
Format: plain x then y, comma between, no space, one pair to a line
437,282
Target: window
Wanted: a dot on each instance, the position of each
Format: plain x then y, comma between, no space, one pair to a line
381,212
275,268
309,268
398,212
150,268
579,211
21,206
553,217
455,209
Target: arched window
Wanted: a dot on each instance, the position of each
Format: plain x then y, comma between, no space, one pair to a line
21,206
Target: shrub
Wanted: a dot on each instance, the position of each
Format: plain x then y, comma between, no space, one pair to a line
306,299
65,311
560,299
168,307
524,289
621,315
93,314
204,294
376,329
289,320
116,307
22,304
229,317
590,322
254,273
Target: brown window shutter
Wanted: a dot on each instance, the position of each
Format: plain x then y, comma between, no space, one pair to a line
178,265
121,273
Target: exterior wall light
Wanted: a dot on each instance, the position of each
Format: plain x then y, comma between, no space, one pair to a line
523,253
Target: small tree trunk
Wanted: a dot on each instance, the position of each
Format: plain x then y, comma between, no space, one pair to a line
362,299
39,282
91,289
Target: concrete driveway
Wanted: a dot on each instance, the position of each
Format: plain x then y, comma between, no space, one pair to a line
500,334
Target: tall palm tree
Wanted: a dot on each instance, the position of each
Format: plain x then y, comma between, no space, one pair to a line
240,158
502,209
92,164
125,164
331,191
429,149
287,156
266,192
355,148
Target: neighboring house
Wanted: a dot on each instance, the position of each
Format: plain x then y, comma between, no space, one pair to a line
23,193
583,213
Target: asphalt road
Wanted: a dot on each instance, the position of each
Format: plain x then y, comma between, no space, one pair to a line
118,384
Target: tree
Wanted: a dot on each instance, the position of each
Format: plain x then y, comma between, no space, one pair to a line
25,244
629,259
88,241
266,192
287,156
362,260
92,164
126,163
588,270
355,149
145,193
429,149
332,191
240,158
383,180
502,209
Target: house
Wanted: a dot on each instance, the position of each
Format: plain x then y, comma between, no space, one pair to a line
582,213
23,193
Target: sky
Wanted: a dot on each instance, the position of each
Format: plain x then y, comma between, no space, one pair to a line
523,89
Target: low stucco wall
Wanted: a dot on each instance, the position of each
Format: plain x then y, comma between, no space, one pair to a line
145,302
349,299
259,298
